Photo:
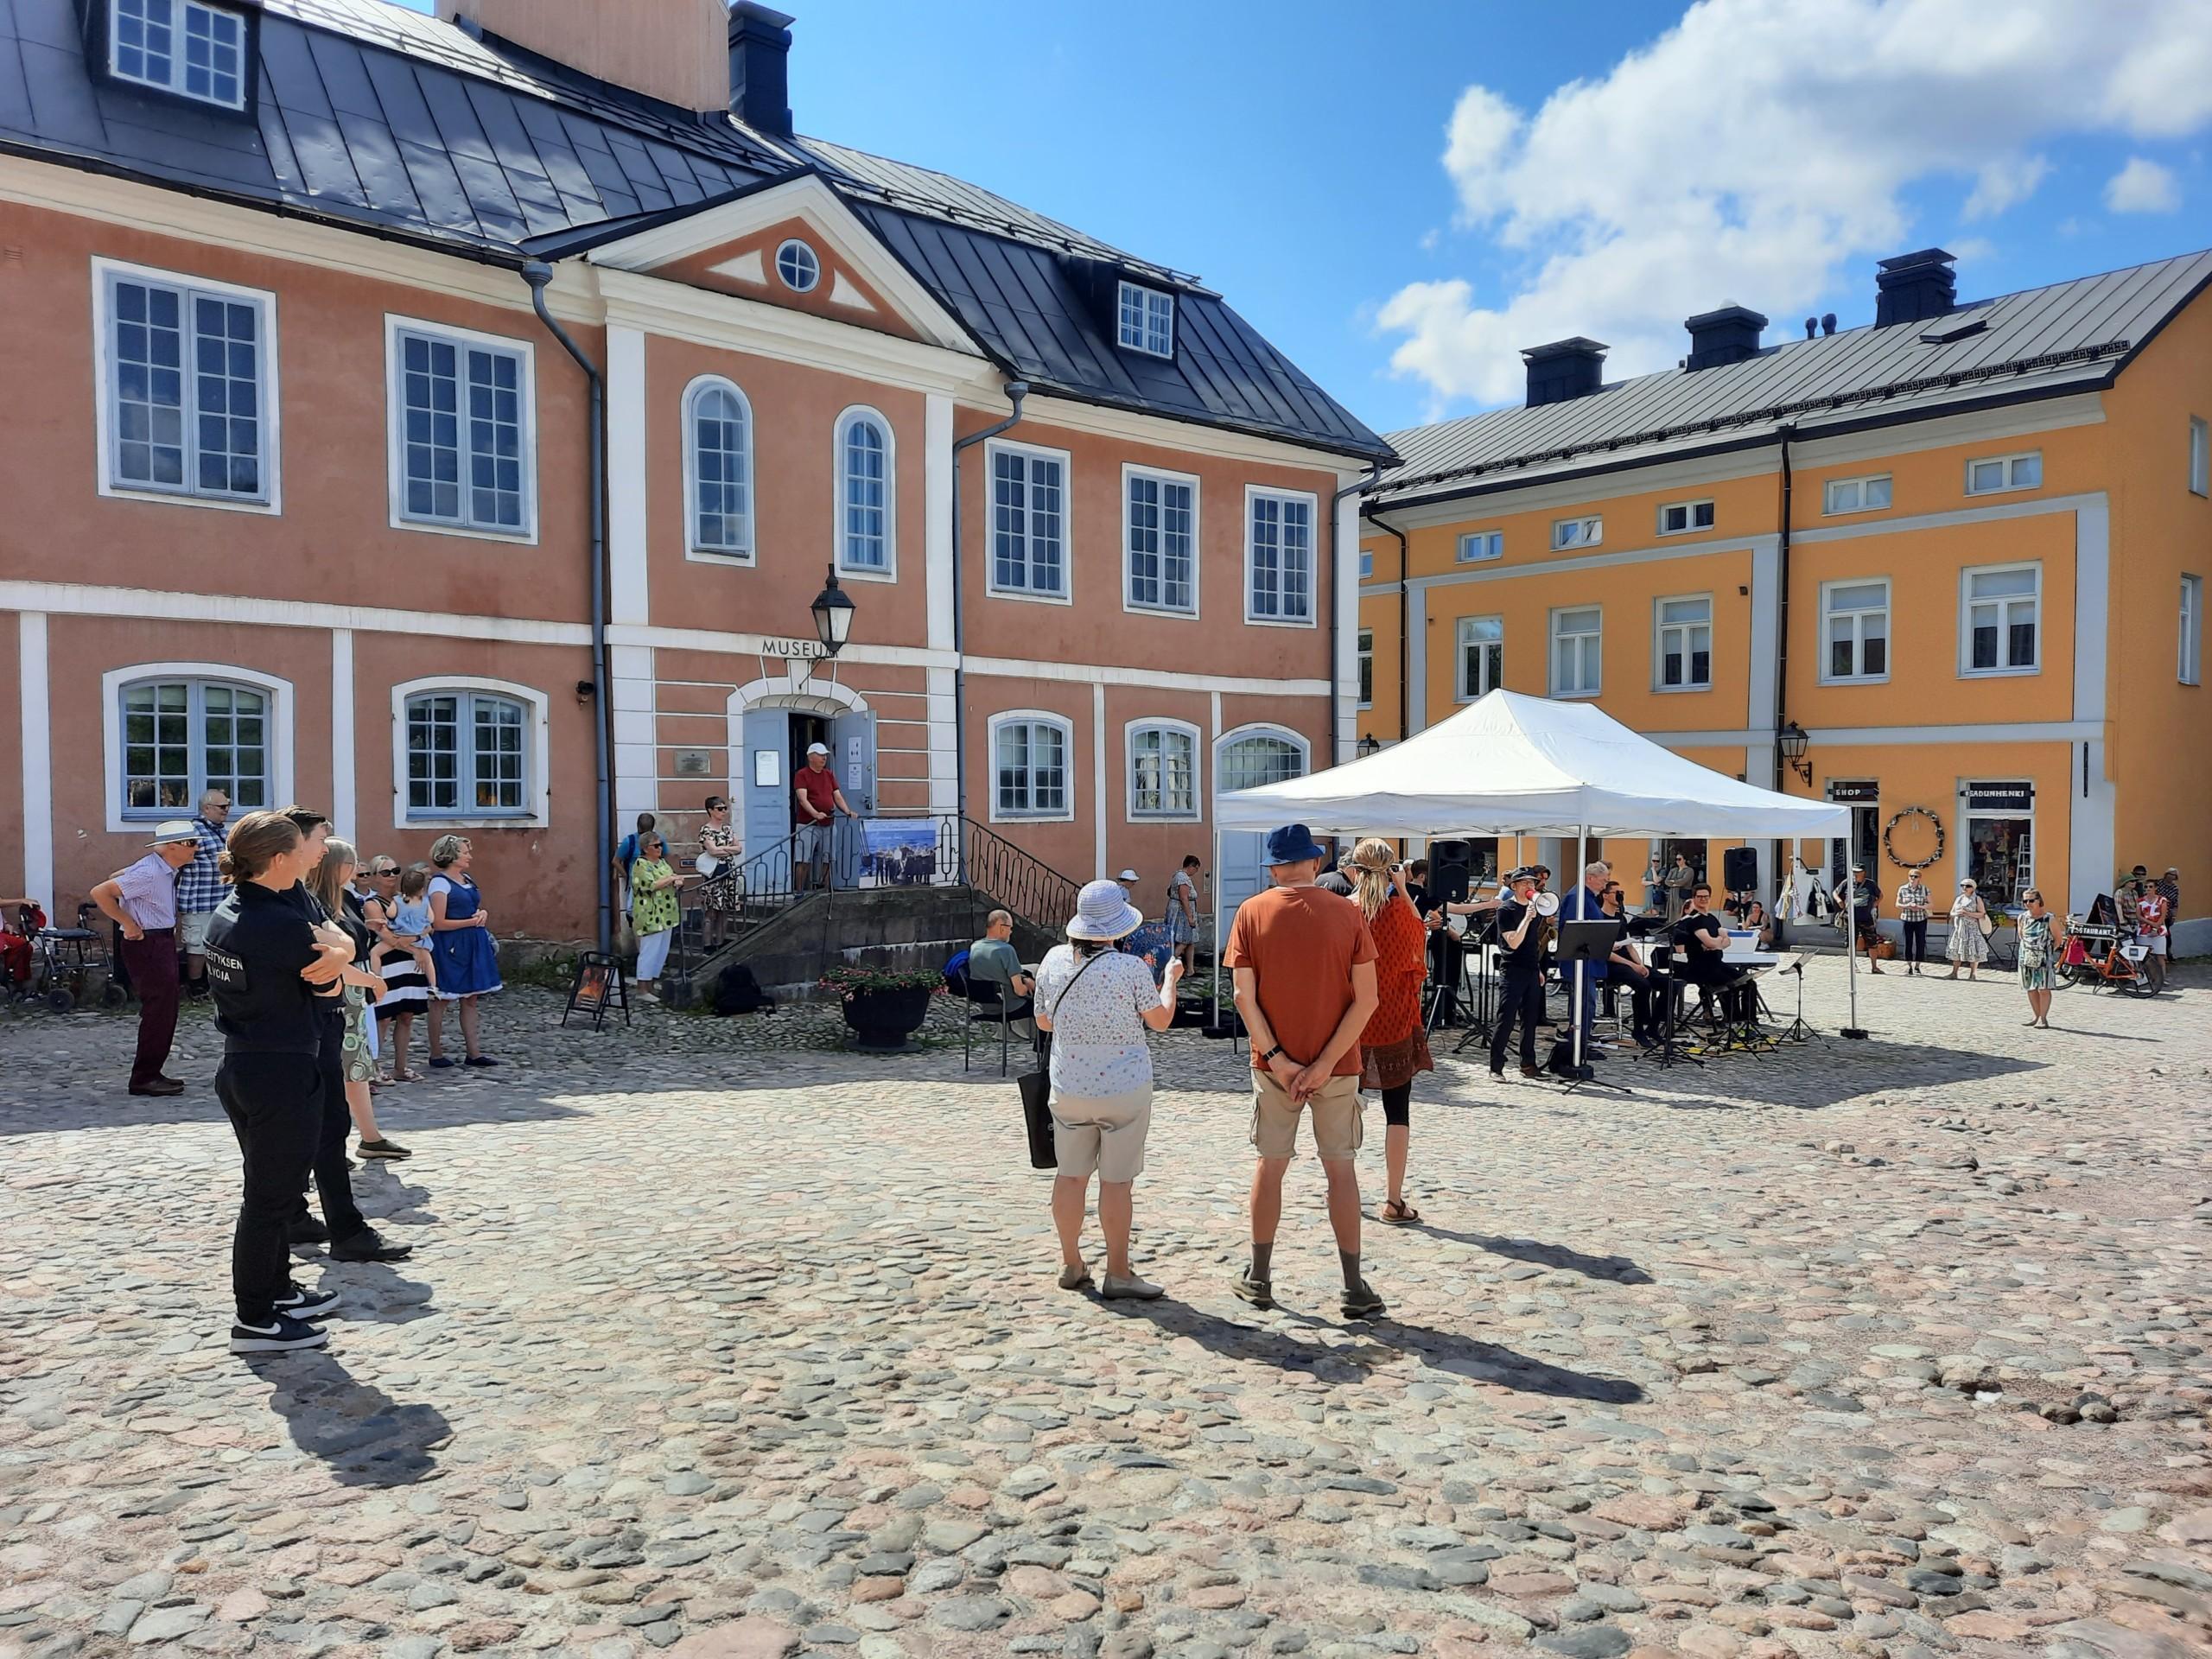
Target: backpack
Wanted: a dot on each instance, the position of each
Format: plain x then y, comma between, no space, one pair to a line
737,992
956,972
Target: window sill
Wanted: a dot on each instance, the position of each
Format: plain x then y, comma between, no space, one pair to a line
430,527
2027,673
865,572
1138,607
1191,817
1680,690
1026,598
1850,512
1031,817
1251,621
719,555
1578,697
1852,679
266,506
512,821
2004,489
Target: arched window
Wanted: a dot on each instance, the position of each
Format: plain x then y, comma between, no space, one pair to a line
1163,769
468,755
718,460
865,493
1258,756
182,737
1030,753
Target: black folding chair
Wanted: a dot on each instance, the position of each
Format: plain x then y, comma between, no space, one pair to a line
991,1001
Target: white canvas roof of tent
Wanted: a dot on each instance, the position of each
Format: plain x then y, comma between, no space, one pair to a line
1511,764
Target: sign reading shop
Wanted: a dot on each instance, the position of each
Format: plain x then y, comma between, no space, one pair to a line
1854,794
2000,798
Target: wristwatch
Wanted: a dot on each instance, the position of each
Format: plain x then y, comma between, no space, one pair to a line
1270,1054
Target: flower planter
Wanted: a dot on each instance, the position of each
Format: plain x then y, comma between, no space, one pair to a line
881,1021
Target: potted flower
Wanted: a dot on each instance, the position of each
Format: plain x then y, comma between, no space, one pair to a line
884,1005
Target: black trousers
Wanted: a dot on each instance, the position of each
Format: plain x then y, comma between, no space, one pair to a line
332,1183
275,1105
1915,940
1644,1004
1522,995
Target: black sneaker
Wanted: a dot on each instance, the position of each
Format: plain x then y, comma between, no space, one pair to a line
306,1229
282,1334
307,1304
1260,1293
368,1245
1363,1303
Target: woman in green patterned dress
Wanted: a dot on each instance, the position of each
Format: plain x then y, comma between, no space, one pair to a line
2038,954
654,908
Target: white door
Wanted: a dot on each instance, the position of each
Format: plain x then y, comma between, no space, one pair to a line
1248,761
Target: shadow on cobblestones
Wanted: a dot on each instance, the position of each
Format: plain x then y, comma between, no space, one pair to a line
366,1437
1617,1269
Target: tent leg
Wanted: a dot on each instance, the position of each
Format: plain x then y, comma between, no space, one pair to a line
1574,1020
1213,1016
1851,956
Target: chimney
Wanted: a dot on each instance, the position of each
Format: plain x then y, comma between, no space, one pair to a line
1565,369
759,65
1728,336
1916,285
667,49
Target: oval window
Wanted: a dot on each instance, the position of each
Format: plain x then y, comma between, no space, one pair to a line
796,264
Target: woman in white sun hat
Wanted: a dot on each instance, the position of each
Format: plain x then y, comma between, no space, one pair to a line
1098,1003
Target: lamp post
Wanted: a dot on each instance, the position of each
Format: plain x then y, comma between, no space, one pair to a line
1793,740
1369,745
833,616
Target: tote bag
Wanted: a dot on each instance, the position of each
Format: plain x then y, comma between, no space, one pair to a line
1037,1089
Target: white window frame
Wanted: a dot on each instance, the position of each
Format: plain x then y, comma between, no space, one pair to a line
1253,494
396,327
1463,689
179,29
2189,664
837,458
1967,669
538,793
1229,740
698,386
813,264
1151,302
1030,717
1363,666
1129,601
1832,493
1688,509
106,274
278,691
1554,638
1366,563
1132,812
1492,544
1661,628
1584,530
2200,456
1859,637
992,449
2011,463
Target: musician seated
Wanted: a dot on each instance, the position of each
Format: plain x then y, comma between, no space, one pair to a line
1701,939
1625,969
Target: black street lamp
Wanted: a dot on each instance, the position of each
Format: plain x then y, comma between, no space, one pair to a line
833,616
1794,738
1369,745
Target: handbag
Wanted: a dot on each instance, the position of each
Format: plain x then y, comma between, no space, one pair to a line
1036,1088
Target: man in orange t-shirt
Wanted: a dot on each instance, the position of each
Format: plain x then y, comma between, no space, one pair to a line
1304,963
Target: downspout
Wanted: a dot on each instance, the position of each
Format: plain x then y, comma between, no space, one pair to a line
1405,622
537,274
1785,433
1336,619
1015,392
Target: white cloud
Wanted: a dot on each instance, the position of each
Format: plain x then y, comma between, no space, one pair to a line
1758,151
2143,187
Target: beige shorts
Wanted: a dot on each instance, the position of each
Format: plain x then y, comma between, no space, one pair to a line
1103,1134
1337,1127
192,931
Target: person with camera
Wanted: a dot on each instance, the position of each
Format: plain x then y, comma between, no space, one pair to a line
1521,997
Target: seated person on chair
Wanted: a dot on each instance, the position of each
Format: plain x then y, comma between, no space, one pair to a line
1626,970
1701,939
992,959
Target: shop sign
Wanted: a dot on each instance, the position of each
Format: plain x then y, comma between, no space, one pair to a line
2000,798
1859,794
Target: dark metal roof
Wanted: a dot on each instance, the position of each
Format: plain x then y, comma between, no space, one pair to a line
2071,336
389,121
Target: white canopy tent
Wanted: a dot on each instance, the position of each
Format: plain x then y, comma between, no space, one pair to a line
1514,764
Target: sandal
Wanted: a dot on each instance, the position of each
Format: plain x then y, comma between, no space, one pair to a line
1406,1217
407,1077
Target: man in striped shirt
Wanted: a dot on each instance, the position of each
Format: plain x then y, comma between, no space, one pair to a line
142,901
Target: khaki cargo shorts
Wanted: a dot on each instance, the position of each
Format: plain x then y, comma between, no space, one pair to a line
1338,1127
1104,1133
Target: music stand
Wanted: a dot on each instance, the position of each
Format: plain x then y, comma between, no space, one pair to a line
1667,984
1797,1031
1582,944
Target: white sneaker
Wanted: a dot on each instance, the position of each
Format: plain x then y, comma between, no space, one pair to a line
1114,1287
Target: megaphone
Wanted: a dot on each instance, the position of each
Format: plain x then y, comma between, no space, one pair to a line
1545,904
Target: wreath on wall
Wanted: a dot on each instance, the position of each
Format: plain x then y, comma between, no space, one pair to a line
1915,865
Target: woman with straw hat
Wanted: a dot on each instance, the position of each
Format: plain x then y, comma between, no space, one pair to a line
1097,1003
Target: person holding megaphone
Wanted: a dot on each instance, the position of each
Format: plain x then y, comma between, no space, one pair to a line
1521,943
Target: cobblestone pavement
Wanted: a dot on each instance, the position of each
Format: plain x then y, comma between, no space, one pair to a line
715,1348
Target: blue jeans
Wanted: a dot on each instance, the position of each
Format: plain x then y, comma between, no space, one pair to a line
1582,1010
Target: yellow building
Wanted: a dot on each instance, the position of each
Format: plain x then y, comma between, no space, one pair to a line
1961,552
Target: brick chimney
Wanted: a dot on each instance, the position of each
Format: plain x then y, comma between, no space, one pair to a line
673,50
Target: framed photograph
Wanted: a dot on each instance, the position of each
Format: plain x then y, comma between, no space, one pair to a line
900,852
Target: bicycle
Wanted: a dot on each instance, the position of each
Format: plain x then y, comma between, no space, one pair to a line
2123,964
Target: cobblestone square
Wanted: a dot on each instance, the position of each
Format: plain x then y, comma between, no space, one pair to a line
717,1345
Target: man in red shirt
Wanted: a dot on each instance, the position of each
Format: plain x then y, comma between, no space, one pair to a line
1304,963
819,800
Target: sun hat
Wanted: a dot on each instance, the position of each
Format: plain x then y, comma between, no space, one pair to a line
1291,844
1128,875
1101,912
170,831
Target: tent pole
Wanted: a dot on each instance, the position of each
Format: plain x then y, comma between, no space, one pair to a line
1851,953
1574,1019
1214,995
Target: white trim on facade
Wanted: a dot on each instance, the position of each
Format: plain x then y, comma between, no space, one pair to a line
629,595
1130,470
395,324
1591,561
2092,797
936,518
846,416
1099,796
537,783
634,694
279,692
345,776
35,732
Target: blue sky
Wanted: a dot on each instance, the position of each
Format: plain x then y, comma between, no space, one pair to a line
1611,166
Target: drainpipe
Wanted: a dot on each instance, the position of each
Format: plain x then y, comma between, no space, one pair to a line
1405,622
1336,620
1787,430
537,274
1015,392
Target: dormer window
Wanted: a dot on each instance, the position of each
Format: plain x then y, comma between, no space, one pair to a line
180,46
1148,320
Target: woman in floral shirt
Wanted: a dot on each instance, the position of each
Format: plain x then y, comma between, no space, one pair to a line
1914,903
654,907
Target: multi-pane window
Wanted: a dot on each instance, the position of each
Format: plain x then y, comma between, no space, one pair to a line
1679,518
2002,608
1482,656
1479,546
1366,563
1147,320
1028,522
1367,668
1855,623
2190,664
466,754
180,46
187,373
1279,558
1578,641
182,738
1163,772
864,494
464,417
1686,644
1161,516
718,449
2200,455
1029,758
1259,759
1856,494
1994,473
1578,532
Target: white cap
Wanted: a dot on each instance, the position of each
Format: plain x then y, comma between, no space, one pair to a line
817,749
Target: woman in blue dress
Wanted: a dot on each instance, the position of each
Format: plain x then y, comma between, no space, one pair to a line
462,946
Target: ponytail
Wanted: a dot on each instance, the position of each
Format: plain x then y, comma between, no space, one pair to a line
256,841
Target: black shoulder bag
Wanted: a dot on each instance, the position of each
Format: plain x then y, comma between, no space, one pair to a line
1037,1086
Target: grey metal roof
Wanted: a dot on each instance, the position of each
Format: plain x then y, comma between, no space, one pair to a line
390,122
2042,341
